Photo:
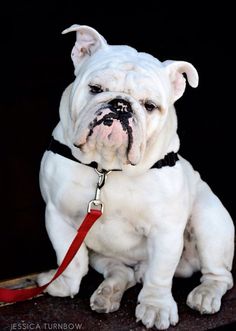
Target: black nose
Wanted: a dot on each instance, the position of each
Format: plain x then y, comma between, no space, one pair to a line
120,104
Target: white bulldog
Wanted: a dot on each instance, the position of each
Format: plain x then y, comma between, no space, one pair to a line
160,218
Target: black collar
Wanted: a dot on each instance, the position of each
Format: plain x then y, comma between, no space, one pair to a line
56,147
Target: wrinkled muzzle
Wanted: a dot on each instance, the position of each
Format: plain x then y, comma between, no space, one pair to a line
114,132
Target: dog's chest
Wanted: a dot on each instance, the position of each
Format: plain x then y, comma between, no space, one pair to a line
132,207
125,222
115,235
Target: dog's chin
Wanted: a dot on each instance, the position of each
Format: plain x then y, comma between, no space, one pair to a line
110,144
108,157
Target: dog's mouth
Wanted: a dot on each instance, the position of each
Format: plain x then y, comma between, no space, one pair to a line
121,111
112,133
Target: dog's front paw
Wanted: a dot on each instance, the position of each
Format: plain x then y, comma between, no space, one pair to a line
60,287
107,297
206,298
161,315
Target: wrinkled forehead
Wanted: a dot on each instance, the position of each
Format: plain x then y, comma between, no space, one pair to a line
123,58
124,65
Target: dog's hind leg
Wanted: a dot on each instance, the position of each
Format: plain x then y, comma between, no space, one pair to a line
214,232
118,278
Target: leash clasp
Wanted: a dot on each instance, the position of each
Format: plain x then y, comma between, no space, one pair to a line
102,177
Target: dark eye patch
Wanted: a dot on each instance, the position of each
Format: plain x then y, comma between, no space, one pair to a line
150,106
95,89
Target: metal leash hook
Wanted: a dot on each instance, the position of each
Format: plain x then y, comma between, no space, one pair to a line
102,177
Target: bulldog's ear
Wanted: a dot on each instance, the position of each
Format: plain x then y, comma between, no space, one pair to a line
88,41
175,70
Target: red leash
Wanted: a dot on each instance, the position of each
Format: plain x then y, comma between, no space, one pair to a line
8,295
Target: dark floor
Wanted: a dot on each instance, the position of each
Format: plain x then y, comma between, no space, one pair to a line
50,313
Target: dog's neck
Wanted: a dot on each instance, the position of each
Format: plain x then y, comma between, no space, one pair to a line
61,149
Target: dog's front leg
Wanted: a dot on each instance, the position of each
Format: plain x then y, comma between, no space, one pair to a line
156,304
62,233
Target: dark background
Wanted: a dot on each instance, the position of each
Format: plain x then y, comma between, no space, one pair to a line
36,67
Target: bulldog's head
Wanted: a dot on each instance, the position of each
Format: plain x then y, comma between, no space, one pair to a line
119,110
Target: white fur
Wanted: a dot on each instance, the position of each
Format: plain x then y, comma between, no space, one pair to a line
141,233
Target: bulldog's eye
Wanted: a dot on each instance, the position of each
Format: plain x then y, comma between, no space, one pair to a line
95,89
150,106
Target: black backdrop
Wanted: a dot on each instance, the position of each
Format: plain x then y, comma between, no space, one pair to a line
36,67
